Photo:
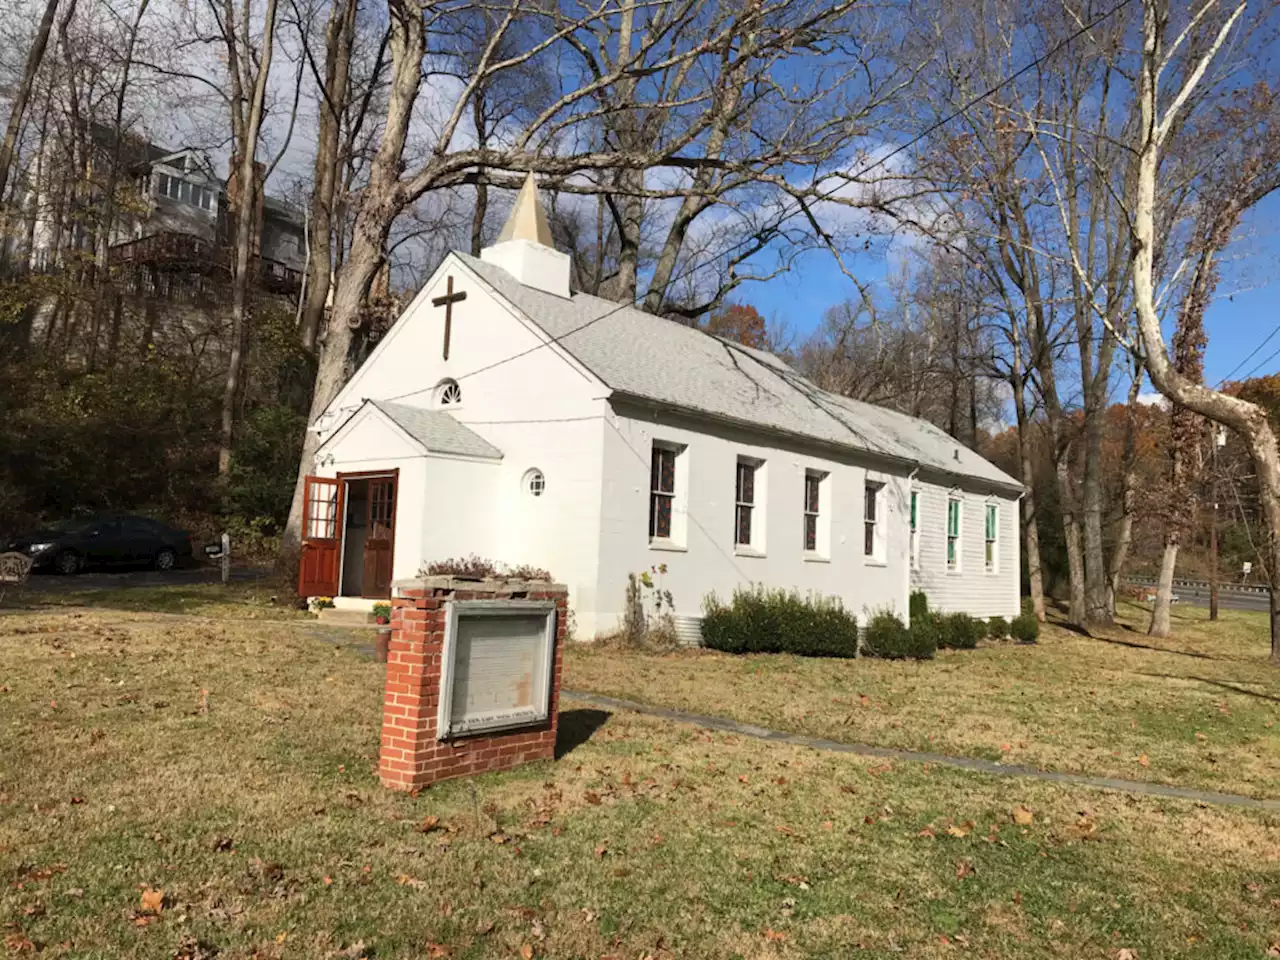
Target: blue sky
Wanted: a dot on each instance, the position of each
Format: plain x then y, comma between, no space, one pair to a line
1236,324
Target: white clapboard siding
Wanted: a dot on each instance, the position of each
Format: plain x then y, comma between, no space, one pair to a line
973,589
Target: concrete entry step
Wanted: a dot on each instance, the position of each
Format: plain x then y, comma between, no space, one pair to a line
346,618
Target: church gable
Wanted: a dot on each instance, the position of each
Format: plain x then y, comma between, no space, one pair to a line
461,346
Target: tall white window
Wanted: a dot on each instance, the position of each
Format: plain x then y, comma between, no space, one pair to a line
744,503
872,525
915,529
662,492
992,555
953,533
813,512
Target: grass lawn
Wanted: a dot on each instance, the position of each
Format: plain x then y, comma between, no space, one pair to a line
1201,709
224,773
244,601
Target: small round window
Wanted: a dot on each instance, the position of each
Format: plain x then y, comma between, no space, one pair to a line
534,482
449,392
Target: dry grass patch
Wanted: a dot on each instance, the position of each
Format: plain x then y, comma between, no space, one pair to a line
1198,710
170,788
259,600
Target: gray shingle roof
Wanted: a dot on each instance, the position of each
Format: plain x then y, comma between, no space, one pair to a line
645,356
438,432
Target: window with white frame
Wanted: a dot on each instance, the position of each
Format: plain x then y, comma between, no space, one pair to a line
915,529
662,491
992,555
744,502
815,527
954,508
872,525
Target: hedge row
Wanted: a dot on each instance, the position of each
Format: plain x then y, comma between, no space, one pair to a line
760,620
779,621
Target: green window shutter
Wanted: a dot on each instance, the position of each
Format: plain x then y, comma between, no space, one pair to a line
953,518
913,510
991,521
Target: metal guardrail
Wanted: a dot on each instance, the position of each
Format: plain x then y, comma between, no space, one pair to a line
1232,587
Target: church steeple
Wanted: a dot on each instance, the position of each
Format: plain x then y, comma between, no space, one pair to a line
528,221
525,248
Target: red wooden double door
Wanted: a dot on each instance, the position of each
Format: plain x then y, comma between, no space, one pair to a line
348,535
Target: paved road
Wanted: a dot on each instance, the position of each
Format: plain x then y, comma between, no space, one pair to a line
122,579
1198,596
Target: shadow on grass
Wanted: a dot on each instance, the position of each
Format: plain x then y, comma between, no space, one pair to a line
577,727
1222,684
1154,649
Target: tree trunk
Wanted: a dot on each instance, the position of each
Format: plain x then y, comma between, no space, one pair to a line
1161,613
1097,609
1124,532
380,203
249,187
18,107
1075,554
1035,575
338,39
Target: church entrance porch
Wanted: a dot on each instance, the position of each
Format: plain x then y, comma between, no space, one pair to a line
349,535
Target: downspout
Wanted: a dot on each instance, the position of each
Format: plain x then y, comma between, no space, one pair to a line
906,597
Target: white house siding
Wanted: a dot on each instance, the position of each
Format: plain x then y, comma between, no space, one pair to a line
708,561
972,589
541,409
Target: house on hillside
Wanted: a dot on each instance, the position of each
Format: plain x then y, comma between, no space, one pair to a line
176,220
504,415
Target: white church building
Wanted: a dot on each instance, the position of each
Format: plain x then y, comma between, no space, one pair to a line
506,417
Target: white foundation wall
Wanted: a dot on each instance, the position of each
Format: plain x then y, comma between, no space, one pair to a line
707,561
971,589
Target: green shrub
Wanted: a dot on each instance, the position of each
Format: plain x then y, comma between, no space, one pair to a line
1028,606
888,638
959,631
997,628
777,621
918,605
1025,628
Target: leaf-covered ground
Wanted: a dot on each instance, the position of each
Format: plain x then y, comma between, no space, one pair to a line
1199,710
172,788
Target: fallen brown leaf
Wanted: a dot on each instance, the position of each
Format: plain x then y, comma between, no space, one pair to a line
152,901
1022,816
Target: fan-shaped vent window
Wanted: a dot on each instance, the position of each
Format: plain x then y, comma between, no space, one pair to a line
449,393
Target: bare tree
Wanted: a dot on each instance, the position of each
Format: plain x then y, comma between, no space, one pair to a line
1166,85
249,70
18,109
564,139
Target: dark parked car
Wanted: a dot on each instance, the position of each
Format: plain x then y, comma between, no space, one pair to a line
72,545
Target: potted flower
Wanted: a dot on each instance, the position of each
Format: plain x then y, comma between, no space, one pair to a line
381,613
321,603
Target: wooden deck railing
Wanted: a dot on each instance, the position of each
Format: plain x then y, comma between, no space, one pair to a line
182,251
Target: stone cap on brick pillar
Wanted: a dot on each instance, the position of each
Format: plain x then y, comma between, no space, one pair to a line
447,583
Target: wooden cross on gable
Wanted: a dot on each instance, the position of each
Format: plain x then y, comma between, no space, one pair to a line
447,301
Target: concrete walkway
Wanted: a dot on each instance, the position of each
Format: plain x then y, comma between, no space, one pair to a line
911,756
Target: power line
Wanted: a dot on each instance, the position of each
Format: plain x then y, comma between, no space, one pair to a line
1263,363
1252,353
821,197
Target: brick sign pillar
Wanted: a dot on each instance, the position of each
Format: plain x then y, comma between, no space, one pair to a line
412,756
